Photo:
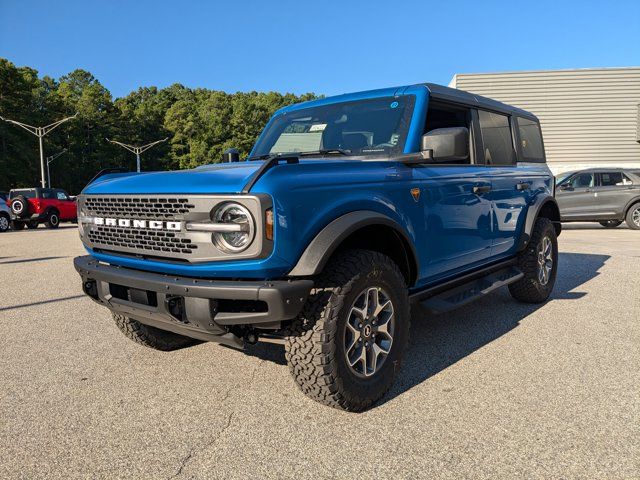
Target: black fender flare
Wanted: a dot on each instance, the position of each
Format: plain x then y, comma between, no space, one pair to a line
540,202
324,244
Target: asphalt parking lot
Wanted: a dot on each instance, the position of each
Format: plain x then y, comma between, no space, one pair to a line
496,389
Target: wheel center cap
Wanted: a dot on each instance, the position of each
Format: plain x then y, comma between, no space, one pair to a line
367,330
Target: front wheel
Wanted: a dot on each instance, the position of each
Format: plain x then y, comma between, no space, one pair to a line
539,263
345,348
611,223
4,223
633,217
53,220
33,224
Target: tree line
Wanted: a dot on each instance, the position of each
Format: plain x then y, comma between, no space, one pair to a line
200,124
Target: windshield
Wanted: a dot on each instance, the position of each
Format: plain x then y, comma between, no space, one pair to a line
361,128
562,177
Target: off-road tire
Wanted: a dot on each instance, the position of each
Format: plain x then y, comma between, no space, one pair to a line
15,225
150,336
611,223
24,211
631,223
32,225
53,220
314,345
529,289
5,222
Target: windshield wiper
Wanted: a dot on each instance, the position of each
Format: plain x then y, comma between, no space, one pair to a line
326,151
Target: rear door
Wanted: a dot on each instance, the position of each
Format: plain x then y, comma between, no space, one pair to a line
612,192
509,199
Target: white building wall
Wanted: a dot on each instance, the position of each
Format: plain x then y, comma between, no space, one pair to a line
589,117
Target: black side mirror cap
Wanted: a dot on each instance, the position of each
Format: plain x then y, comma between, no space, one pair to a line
447,144
230,155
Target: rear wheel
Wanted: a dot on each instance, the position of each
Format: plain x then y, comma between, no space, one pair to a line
32,224
345,348
539,263
53,220
633,217
150,336
611,223
15,225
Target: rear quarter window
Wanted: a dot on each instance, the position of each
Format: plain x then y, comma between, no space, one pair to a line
531,148
26,193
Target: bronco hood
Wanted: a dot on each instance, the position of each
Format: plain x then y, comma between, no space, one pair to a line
223,178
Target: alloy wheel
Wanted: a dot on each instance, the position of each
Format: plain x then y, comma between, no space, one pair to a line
545,260
369,332
4,223
636,216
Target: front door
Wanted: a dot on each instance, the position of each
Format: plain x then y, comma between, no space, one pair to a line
576,196
457,211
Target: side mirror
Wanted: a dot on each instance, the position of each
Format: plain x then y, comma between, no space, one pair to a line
230,155
447,144
566,187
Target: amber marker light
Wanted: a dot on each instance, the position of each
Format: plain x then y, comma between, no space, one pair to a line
268,217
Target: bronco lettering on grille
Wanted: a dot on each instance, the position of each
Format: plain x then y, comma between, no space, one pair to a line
128,223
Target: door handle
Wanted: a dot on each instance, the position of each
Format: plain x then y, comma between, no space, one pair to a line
523,186
480,189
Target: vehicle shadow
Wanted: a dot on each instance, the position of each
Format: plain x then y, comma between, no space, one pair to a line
437,342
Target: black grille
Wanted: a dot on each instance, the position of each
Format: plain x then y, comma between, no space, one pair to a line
142,239
138,207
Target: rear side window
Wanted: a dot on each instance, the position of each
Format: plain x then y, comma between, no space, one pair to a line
612,179
531,149
26,193
496,137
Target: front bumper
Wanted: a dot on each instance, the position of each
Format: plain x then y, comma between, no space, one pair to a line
199,308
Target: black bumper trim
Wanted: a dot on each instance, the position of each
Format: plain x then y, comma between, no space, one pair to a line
284,298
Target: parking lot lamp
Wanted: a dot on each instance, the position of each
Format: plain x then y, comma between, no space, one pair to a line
49,160
40,132
138,149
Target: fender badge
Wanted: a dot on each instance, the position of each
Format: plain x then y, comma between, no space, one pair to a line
415,193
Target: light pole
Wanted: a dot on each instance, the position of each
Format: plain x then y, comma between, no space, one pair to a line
49,160
40,132
138,149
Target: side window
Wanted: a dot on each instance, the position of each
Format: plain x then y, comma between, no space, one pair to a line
496,137
617,179
531,148
442,115
582,180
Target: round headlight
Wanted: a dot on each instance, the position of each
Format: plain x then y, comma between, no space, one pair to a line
241,231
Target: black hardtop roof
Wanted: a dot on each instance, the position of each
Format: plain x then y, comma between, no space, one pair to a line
460,96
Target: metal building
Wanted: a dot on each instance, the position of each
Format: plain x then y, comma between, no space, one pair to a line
589,117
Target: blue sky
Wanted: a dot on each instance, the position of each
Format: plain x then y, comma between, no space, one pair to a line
312,46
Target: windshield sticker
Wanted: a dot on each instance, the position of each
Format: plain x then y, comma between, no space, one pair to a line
394,105
318,127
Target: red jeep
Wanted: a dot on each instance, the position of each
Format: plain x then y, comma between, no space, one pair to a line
32,206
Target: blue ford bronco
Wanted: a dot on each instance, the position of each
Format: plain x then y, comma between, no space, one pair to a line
347,210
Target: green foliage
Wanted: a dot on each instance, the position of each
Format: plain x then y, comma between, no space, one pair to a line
200,124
